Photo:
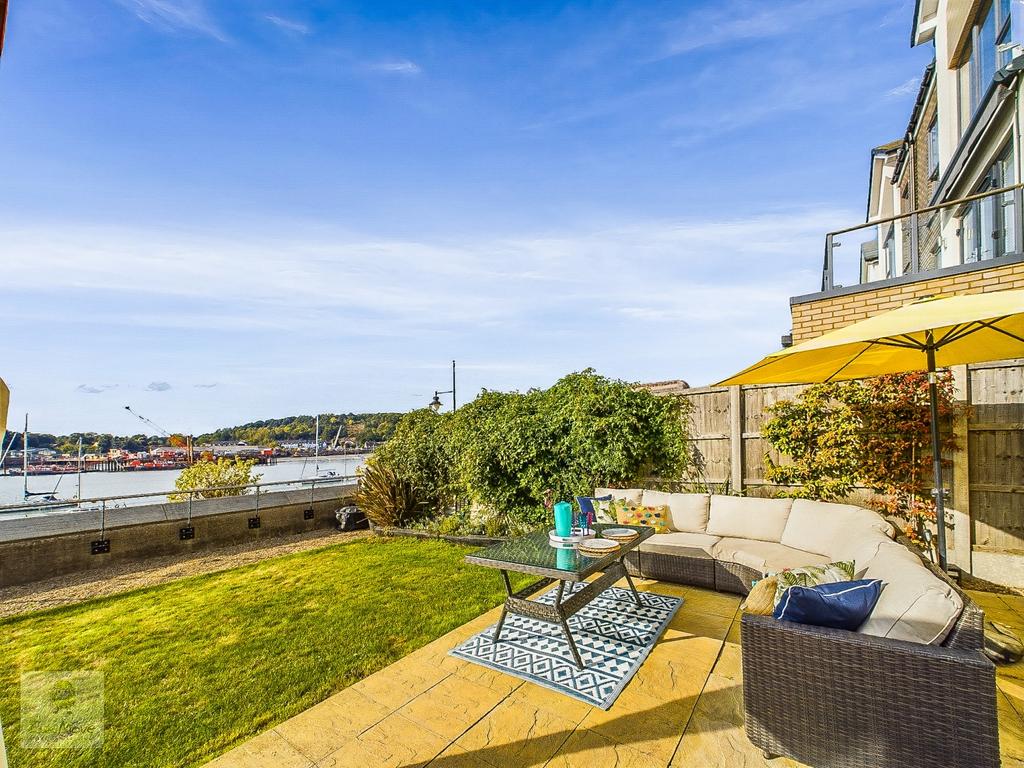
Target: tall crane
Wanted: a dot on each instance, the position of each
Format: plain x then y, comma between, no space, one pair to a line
143,419
161,430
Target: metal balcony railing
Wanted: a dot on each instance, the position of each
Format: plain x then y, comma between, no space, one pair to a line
981,226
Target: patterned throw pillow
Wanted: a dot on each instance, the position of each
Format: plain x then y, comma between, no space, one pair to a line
761,600
637,514
812,576
601,506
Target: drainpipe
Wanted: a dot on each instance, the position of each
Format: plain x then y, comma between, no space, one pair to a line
1018,194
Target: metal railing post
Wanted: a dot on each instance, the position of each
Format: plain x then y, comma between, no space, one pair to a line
915,248
254,521
1018,220
827,276
101,545
191,494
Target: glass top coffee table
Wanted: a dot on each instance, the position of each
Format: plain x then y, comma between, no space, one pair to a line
534,554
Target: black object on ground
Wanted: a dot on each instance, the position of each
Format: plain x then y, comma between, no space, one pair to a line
351,519
1001,644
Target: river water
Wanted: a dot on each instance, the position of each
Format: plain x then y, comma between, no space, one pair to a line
97,484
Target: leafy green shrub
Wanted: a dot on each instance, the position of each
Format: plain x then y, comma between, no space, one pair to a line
386,498
228,476
874,433
503,450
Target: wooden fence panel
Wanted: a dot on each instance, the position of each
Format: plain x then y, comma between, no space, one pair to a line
709,429
995,448
992,460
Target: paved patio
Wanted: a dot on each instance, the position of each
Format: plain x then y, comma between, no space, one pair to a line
683,708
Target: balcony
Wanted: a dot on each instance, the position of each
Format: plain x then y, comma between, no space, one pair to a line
971,233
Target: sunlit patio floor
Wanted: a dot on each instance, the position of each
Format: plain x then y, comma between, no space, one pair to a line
683,708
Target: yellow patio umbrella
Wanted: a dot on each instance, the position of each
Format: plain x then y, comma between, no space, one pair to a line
924,335
5,401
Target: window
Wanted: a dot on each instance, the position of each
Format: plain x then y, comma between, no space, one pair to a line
987,49
1004,39
889,249
988,227
933,149
982,56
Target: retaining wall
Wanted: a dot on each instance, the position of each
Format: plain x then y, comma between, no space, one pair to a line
41,547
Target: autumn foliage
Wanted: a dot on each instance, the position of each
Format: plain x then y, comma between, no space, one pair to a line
874,434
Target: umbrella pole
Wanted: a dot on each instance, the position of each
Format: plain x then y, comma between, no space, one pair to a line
940,506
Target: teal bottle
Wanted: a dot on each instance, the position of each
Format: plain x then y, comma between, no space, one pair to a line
563,518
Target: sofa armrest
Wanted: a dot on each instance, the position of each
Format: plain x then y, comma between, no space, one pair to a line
832,697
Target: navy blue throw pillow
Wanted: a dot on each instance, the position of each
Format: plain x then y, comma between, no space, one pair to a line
843,605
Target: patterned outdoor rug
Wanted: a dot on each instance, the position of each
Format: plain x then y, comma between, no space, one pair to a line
613,635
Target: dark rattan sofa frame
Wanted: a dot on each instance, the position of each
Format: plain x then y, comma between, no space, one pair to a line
836,699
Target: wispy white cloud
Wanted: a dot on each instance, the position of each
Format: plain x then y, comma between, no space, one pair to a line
176,15
280,282
746,20
288,25
395,67
904,89
158,386
90,389
254,307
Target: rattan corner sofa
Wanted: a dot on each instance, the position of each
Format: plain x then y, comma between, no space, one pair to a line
911,687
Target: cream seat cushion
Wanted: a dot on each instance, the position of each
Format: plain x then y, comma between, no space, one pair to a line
745,517
834,529
677,543
689,511
632,495
764,556
915,604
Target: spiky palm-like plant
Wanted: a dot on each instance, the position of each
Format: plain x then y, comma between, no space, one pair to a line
386,498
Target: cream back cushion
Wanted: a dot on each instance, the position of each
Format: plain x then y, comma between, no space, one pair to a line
689,511
632,495
832,529
746,517
915,604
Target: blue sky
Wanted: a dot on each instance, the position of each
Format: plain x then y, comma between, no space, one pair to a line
220,211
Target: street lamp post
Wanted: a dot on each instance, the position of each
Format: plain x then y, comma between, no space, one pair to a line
435,404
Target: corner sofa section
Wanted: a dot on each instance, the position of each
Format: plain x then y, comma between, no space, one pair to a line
910,687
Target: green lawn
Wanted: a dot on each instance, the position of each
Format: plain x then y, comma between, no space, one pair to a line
193,667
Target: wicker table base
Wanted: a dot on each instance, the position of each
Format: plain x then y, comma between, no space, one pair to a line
560,611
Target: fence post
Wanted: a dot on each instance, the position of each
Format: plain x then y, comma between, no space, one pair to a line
736,438
915,247
963,524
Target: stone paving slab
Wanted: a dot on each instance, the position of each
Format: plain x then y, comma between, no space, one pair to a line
683,708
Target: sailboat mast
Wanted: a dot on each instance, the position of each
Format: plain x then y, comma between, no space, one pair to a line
316,460
24,456
79,496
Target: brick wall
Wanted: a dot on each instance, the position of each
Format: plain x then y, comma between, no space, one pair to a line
814,317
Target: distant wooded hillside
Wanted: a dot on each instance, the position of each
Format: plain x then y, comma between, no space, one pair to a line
357,427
